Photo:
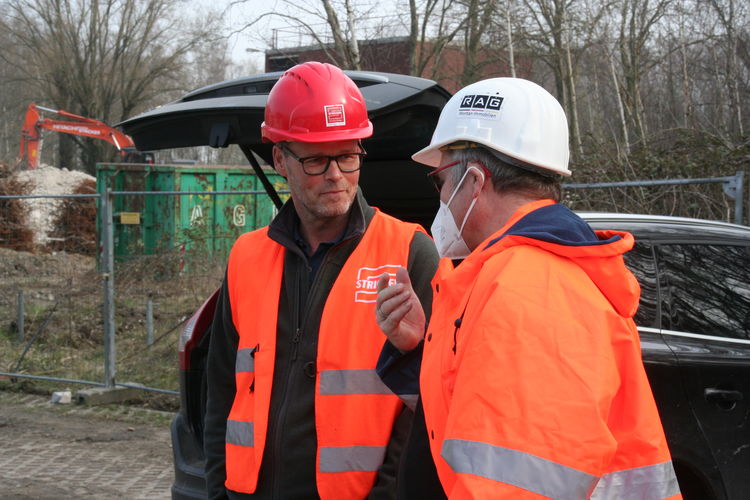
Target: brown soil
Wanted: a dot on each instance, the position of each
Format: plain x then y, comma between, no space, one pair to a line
17,264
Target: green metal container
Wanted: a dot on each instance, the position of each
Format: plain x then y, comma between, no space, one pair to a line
198,223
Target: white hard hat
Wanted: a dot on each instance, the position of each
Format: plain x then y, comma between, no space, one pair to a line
511,116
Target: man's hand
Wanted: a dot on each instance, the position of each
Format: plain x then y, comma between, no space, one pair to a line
399,312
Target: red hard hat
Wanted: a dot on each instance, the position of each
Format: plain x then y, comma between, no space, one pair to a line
315,102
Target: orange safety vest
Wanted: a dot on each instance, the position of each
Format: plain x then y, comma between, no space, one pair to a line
538,390
354,410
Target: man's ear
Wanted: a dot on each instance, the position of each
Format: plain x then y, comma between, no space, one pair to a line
278,161
478,178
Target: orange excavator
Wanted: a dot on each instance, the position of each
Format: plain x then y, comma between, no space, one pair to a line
33,124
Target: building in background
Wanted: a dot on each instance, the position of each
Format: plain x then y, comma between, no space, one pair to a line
392,55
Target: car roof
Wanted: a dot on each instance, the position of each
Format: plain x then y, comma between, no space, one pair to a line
667,228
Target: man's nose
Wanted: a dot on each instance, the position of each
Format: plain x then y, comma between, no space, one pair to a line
333,172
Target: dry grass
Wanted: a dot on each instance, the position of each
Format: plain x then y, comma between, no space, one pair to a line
64,317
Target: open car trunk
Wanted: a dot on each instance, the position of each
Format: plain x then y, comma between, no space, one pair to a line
404,111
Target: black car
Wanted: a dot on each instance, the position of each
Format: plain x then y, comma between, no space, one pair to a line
694,324
694,316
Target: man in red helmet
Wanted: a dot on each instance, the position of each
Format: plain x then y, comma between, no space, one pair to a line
295,409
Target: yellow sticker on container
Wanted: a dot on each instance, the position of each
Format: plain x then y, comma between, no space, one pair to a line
130,218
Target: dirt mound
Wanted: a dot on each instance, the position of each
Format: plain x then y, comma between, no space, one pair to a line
47,180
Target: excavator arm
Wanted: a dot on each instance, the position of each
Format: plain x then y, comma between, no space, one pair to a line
33,124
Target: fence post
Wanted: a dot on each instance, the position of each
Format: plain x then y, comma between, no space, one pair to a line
739,198
20,317
149,322
108,281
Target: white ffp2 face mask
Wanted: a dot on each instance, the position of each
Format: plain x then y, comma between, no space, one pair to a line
446,234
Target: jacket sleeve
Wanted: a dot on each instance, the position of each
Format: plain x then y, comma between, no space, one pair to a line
422,263
535,380
221,390
400,371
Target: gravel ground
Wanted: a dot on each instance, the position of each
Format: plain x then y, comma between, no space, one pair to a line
52,451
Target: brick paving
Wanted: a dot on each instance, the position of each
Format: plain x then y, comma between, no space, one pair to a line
67,451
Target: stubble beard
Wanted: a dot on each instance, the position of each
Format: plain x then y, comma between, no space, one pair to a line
318,210
333,210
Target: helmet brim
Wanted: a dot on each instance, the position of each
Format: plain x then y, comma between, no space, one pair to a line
431,155
270,134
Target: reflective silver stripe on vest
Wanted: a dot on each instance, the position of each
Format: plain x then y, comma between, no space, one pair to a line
410,400
524,470
240,433
245,361
351,458
362,381
651,481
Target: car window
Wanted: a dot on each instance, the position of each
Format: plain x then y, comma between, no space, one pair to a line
707,289
640,261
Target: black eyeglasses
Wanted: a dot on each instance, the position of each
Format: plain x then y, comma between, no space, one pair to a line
318,164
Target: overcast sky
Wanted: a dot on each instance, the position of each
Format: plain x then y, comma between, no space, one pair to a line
250,43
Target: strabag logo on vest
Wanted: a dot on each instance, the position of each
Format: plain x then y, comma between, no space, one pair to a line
366,287
480,106
335,115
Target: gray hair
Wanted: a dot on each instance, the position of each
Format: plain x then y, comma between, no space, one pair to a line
507,176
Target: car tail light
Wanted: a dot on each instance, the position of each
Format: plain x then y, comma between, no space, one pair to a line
194,329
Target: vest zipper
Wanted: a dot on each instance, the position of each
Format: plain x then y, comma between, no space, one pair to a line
302,317
276,478
295,343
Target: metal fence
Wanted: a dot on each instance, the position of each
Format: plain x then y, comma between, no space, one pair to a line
112,316
715,198
95,305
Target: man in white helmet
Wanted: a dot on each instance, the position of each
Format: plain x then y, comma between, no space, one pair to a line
531,376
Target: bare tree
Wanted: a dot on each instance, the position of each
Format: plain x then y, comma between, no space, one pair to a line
434,25
478,18
332,25
638,19
345,40
556,25
733,18
337,28
509,33
103,59
13,101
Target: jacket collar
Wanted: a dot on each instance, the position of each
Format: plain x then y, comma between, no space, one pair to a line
285,225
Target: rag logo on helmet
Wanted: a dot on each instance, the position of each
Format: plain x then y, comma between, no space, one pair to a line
335,116
481,102
366,287
480,105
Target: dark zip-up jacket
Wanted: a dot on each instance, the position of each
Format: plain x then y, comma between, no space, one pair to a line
288,467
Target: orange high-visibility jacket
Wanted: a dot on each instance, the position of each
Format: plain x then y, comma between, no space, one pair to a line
532,380
354,410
